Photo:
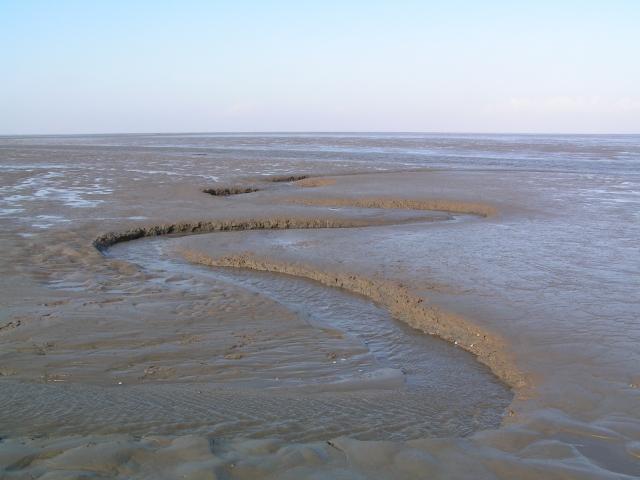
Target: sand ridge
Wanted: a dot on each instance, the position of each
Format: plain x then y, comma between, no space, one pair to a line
403,304
442,205
489,348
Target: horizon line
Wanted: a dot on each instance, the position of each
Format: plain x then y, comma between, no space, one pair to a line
315,132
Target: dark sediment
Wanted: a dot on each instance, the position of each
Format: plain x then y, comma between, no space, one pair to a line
227,191
286,178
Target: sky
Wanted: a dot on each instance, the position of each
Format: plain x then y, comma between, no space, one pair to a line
540,66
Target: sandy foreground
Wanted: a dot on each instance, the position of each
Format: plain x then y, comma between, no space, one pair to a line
337,337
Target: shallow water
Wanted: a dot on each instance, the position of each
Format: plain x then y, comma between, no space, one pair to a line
556,274
374,378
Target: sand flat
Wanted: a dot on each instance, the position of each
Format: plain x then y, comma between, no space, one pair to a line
209,372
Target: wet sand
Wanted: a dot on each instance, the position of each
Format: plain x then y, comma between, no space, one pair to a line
145,358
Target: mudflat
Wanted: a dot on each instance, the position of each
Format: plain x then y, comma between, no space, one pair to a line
319,307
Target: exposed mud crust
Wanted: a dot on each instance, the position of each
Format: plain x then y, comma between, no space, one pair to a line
286,178
452,206
187,228
227,191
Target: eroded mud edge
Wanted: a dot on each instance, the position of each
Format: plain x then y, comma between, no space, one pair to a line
401,303
253,184
489,348
442,205
228,190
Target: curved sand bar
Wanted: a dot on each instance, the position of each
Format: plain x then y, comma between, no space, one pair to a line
404,305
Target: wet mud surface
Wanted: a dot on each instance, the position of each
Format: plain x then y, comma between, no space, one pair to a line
239,337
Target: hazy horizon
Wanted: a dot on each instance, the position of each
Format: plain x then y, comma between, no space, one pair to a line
249,67
317,132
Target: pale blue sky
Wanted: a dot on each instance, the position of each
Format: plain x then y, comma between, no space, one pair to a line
175,66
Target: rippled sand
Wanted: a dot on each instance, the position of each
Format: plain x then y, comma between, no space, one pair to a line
232,354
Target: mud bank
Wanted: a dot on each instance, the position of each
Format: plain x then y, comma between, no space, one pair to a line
488,347
450,206
286,178
299,180
227,191
191,228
